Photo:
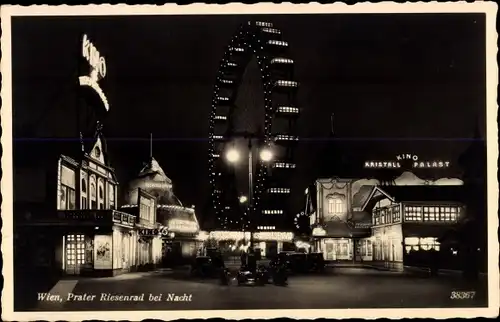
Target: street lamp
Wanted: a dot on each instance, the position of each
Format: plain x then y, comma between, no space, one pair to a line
233,156
266,155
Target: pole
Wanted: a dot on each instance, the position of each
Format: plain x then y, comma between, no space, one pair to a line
250,191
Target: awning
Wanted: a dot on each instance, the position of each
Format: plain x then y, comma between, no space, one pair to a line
342,229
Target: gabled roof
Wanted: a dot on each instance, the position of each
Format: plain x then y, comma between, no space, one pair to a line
376,194
361,196
418,194
100,142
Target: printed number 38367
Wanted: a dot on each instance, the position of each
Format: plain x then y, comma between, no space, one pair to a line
462,295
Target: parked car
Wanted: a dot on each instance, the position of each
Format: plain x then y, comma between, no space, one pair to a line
294,262
316,262
206,267
265,273
247,277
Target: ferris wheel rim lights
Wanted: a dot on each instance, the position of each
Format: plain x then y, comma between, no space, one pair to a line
258,39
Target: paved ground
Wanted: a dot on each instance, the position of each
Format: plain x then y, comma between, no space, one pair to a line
342,288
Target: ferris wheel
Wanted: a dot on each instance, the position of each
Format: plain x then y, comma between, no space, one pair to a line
262,42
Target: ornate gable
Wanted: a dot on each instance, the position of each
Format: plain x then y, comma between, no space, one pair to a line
98,152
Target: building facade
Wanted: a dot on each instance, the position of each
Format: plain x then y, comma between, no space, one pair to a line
359,220
408,223
80,232
336,216
181,241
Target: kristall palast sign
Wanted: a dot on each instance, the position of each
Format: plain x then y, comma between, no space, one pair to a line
407,161
97,69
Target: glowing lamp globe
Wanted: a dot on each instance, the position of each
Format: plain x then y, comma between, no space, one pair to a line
232,156
266,155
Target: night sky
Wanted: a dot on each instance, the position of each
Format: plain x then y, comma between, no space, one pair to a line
390,77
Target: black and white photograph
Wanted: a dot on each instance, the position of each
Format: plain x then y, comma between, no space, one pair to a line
239,161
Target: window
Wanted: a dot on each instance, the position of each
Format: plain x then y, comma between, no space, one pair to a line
430,214
413,213
389,215
101,198
93,201
84,203
441,213
83,199
67,198
421,243
145,213
376,216
111,192
396,215
335,206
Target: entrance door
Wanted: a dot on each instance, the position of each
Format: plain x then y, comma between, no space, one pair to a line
330,251
74,253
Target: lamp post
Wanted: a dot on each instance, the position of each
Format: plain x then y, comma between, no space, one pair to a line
233,156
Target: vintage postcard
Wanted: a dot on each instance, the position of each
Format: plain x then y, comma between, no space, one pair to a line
249,161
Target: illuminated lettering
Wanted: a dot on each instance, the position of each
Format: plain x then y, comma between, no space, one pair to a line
98,69
89,81
416,163
183,226
94,58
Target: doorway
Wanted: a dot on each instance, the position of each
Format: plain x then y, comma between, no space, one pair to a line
74,253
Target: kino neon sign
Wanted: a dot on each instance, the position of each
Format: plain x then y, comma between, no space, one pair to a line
162,232
97,65
415,161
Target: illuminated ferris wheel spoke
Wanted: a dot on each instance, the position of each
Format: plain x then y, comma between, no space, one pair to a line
262,41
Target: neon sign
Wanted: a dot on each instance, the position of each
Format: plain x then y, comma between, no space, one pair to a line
157,185
94,58
401,159
319,231
98,69
182,226
273,235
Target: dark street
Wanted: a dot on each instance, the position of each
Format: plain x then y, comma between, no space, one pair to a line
342,288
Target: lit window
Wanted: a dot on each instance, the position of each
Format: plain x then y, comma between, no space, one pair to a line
421,243
396,215
84,186
413,213
335,206
67,198
92,191
93,200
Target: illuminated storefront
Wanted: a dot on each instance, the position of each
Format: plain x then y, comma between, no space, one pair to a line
358,220
269,243
339,225
147,237
181,240
405,230
83,234
65,205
